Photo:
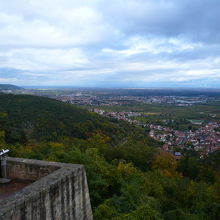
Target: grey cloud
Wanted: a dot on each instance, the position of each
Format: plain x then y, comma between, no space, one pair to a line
119,41
198,20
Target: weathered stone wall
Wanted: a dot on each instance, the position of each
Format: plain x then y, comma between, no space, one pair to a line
19,169
59,192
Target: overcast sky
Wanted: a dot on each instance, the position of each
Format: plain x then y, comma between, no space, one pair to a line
128,43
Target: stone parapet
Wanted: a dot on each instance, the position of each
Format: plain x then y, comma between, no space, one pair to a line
59,192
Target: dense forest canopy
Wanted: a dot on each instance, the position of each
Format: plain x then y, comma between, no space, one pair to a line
129,176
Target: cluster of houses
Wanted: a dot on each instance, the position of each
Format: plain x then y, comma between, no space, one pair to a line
94,100
118,115
91,99
204,140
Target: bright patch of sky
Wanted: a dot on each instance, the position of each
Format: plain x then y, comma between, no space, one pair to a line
128,43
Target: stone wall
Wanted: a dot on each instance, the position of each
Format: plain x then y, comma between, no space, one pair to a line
60,191
31,170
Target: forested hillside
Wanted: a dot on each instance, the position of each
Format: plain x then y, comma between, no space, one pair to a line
128,176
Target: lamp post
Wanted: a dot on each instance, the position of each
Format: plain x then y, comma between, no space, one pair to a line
3,157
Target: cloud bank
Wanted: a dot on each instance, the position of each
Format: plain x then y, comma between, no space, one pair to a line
133,43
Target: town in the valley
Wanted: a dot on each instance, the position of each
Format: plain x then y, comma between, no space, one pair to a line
204,140
81,99
202,136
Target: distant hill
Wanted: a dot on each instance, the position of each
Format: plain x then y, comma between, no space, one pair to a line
9,87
